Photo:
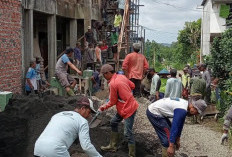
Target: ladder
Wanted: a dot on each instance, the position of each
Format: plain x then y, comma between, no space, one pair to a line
123,38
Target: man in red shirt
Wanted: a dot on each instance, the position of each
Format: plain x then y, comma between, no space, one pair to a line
120,95
134,67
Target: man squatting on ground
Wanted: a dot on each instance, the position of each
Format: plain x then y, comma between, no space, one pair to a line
120,95
169,133
63,129
61,71
226,126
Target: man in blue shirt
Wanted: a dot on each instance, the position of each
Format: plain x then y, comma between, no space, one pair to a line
61,72
31,84
77,55
169,133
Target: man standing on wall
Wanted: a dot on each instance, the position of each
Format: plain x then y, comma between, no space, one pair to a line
61,72
134,66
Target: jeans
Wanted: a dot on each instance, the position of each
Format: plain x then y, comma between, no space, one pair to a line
128,127
162,126
136,91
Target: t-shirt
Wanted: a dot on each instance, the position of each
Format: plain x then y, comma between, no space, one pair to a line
61,132
175,108
31,74
185,80
154,83
173,88
117,20
198,86
37,69
61,65
77,54
89,37
135,64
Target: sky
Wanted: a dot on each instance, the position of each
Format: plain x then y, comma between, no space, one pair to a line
165,20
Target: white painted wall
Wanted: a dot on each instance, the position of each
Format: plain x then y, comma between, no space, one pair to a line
216,22
211,23
205,40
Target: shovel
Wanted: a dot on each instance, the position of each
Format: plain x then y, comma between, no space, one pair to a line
95,122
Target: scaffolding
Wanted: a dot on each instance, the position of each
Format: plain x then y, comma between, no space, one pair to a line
131,31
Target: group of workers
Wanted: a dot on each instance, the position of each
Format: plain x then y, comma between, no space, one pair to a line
65,127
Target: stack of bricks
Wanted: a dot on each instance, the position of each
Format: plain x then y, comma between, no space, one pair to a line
10,46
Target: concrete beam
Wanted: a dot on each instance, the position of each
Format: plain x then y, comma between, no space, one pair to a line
28,53
73,32
52,49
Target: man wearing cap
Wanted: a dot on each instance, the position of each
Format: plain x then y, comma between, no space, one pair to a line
173,86
135,66
61,71
120,95
89,36
169,132
63,129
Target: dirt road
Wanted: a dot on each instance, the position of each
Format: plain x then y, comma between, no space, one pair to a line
199,140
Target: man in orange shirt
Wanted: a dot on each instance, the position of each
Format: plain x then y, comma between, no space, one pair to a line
134,67
120,95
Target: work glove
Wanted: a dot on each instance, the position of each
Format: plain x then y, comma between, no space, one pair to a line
224,137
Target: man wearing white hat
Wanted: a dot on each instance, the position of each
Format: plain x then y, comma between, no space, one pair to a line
89,36
169,132
63,129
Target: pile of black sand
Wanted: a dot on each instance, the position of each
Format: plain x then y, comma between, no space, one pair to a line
26,117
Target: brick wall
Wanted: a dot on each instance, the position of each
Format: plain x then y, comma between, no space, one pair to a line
10,46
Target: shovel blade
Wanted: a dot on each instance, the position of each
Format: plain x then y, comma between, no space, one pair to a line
95,123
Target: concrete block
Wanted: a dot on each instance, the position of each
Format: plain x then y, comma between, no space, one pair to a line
4,99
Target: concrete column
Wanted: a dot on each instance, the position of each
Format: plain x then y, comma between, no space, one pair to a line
88,14
52,49
28,44
73,32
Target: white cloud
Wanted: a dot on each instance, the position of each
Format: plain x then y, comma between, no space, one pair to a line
164,18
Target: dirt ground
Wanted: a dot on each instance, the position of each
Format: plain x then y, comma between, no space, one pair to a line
26,117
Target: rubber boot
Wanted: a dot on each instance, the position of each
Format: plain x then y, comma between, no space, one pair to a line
164,152
131,150
71,93
112,147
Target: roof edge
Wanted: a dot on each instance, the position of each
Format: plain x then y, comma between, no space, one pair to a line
203,3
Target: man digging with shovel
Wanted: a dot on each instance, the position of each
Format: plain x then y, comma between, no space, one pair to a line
63,129
120,95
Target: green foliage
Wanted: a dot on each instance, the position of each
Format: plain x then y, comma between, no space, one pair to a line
220,62
179,53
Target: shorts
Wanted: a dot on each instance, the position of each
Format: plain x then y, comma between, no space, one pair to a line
65,79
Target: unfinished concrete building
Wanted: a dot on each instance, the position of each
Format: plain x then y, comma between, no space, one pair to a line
50,26
45,28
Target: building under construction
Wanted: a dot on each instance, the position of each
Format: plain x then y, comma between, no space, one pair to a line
45,28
